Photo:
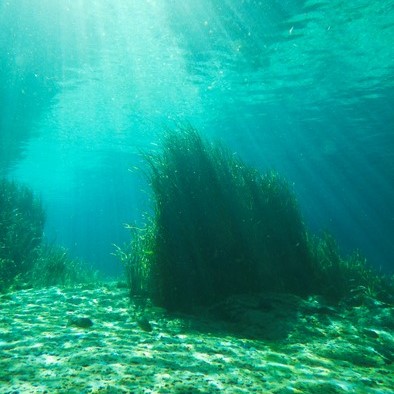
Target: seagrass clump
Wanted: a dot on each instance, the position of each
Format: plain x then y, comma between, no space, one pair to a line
219,228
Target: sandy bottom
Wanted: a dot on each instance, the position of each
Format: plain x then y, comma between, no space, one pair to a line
276,345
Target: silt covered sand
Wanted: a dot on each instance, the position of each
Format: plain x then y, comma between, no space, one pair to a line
249,344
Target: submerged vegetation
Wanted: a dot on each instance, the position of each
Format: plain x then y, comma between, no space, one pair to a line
338,277
22,221
221,228
25,258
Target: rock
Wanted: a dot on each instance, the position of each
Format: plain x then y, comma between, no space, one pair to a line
143,324
82,322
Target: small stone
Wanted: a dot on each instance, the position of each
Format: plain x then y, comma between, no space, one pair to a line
143,324
370,333
82,322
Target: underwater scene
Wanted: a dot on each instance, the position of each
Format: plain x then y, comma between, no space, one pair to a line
196,196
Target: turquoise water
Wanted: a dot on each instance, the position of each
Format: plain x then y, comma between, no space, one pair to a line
305,87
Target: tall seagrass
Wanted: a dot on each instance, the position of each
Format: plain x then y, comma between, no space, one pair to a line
21,229
220,227
25,260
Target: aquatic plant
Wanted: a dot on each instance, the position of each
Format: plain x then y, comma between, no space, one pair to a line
135,258
54,266
338,278
219,228
21,230
25,260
